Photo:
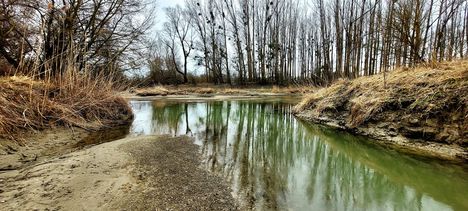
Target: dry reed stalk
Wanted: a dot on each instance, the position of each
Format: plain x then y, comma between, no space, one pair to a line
69,99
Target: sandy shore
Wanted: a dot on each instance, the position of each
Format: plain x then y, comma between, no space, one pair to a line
141,173
35,147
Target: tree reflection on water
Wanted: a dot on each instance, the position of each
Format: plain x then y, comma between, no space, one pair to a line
273,161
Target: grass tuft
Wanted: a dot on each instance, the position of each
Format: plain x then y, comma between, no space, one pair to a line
71,99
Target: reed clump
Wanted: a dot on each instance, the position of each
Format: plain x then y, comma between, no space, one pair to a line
71,99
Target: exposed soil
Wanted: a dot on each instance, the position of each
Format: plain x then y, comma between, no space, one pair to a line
141,173
384,134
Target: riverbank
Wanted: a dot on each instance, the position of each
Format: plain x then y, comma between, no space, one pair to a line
219,91
71,100
35,147
43,117
150,172
188,93
421,110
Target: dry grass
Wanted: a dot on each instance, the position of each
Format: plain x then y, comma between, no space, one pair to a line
206,90
74,100
234,91
293,89
220,90
153,91
423,91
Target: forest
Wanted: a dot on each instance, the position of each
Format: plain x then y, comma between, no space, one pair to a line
306,42
234,42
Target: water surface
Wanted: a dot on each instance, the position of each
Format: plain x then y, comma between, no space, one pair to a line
273,161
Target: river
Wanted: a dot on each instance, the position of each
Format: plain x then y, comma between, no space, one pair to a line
272,160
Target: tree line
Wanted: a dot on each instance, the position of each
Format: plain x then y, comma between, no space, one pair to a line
49,37
315,42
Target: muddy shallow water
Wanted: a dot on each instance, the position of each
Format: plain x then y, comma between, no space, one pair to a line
273,161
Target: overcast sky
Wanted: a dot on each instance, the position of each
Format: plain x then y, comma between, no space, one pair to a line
160,5
159,22
168,3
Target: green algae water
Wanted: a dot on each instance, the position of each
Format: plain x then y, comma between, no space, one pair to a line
273,161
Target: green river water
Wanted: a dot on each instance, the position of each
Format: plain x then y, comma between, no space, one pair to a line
273,161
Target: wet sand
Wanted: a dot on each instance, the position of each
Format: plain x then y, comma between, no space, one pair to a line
141,173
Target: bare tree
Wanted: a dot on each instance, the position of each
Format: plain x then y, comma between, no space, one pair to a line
284,42
88,34
178,28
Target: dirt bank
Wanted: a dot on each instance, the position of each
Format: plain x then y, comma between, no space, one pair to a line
421,110
142,173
